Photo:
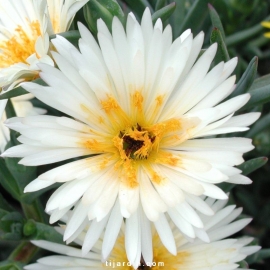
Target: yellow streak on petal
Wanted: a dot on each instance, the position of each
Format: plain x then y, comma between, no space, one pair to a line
155,177
167,158
171,262
159,100
97,146
138,100
20,46
160,129
118,255
115,113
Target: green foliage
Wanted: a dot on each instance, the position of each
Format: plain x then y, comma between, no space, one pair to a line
258,97
164,13
195,17
247,78
222,53
216,22
104,9
252,165
11,265
72,36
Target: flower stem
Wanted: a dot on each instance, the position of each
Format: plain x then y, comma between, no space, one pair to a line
24,252
34,211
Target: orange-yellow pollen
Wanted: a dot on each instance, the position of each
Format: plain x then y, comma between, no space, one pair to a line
109,104
20,46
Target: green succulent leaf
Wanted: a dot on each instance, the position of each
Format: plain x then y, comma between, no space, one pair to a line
8,181
247,78
160,4
178,17
252,165
195,17
258,97
10,265
164,13
259,126
4,205
11,224
260,82
222,52
72,36
216,22
39,231
104,9
139,6
259,256
245,35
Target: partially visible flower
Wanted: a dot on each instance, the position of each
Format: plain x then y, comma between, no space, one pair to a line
267,25
142,108
25,26
22,107
219,254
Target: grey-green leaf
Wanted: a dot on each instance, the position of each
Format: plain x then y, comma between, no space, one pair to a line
222,52
164,13
252,165
216,22
247,78
195,17
260,82
259,126
258,97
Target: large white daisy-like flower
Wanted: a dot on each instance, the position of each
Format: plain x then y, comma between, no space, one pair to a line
220,254
25,27
143,109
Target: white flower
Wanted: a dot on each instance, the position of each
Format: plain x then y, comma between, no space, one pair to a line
143,109
25,27
220,254
22,107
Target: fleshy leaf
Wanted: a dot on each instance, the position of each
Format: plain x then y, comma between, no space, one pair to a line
195,17
164,13
258,97
8,181
247,78
39,231
216,22
262,124
160,4
260,82
104,9
10,265
222,52
245,35
138,6
72,36
252,165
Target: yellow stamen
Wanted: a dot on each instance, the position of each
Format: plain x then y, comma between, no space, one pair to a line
20,46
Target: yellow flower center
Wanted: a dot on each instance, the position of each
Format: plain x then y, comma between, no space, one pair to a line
135,140
20,46
162,258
